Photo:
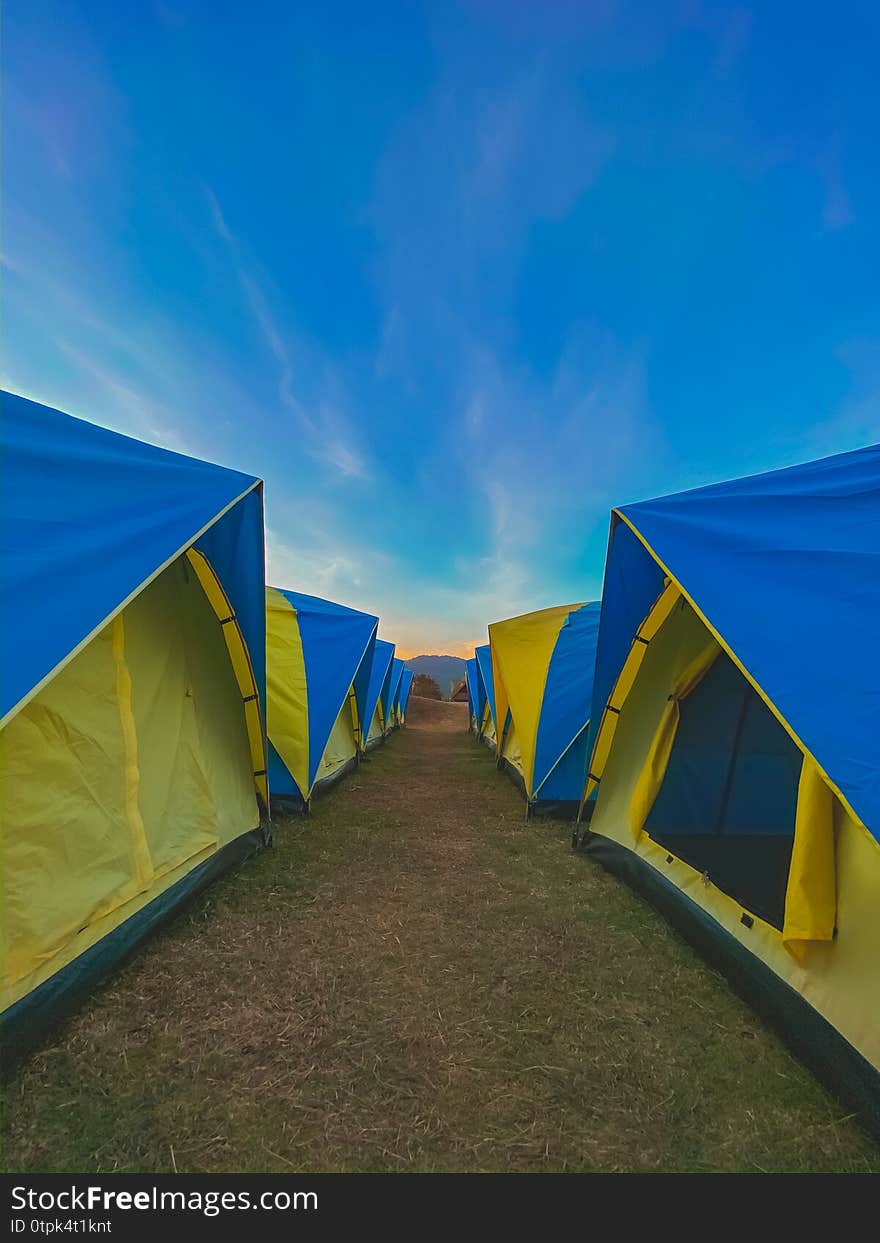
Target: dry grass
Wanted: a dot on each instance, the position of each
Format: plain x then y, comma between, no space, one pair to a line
417,979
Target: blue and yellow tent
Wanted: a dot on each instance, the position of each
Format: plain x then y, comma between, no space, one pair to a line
470,686
378,687
394,695
401,697
476,695
385,696
736,765
542,667
485,695
133,670
406,682
318,659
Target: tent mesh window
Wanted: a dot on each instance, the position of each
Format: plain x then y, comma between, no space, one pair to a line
728,799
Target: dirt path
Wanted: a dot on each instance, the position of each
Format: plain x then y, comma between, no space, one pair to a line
416,978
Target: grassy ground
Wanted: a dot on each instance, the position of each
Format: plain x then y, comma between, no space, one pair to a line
416,979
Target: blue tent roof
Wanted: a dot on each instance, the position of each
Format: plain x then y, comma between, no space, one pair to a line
88,517
385,693
568,693
394,684
334,641
483,656
380,670
473,688
785,567
406,682
361,684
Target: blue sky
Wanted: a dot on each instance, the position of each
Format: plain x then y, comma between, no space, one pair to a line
453,278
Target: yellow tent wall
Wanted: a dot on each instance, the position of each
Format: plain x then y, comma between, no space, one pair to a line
287,701
376,731
487,732
125,772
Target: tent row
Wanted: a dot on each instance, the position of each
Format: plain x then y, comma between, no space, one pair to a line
333,692
714,725
157,696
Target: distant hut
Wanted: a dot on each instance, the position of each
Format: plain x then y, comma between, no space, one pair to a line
459,692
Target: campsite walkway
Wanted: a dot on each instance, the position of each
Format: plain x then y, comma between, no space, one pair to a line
416,978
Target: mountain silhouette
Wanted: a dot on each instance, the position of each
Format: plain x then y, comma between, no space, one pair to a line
445,670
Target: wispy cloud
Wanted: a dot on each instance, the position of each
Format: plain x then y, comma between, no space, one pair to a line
312,548
837,211
127,408
732,39
549,457
168,15
330,437
309,550
536,454
71,110
856,421
218,219
134,371
259,308
504,154
343,459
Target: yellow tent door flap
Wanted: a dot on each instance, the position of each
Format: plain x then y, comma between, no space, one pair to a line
341,749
